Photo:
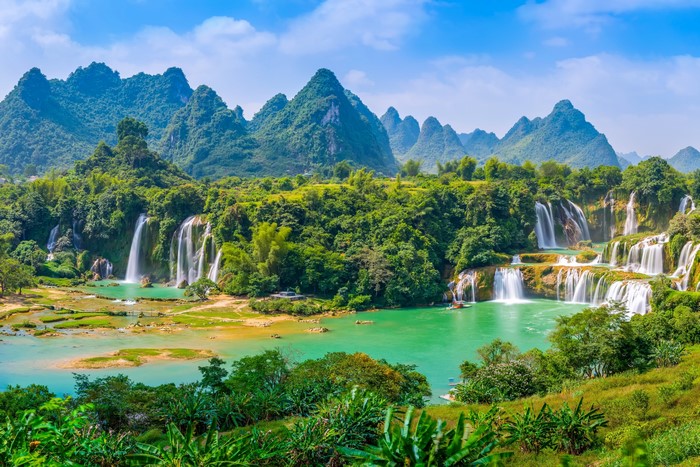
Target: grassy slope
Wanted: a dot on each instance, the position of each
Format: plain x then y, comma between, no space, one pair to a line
613,396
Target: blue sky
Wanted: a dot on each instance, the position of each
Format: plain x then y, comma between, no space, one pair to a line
632,66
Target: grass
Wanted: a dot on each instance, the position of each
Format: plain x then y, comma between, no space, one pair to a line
52,319
85,323
6,314
139,356
672,414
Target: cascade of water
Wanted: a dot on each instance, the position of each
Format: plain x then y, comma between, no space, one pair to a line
631,220
466,278
574,214
609,201
584,288
214,269
516,260
53,237
685,202
77,238
508,285
572,276
683,259
133,268
559,275
544,228
563,260
600,290
613,254
102,267
634,295
685,265
188,251
647,256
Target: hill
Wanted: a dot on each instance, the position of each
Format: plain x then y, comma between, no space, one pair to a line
403,133
686,160
52,123
319,127
479,144
436,143
564,136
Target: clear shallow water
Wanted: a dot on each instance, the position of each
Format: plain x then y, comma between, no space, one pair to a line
435,339
126,291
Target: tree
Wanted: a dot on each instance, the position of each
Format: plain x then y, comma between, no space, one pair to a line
411,168
270,247
497,352
201,288
131,127
14,275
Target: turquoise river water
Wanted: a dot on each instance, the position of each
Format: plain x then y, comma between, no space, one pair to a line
436,339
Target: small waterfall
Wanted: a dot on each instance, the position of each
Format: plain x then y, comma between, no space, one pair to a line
53,237
631,220
466,278
508,285
544,228
609,227
188,251
578,286
634,295
133,268
516,260
601,289
647,256
214,269
102,267
77,238
575,224
685,265
613,254
563,260
686,201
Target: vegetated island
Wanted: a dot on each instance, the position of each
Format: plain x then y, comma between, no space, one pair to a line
136,357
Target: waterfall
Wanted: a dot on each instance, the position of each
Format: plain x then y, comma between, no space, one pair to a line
578,286
684,204
102,267
600,290
685,265
575,222
77,238
133,271
631,220
214,269
634,295
563,260
508,285
516,260
466,278
647,256
609,201
613,254
188,251
53,237
544,228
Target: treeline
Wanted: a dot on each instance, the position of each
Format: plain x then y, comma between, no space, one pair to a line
348,235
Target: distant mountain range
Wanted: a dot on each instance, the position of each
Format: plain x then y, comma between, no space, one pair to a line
47,124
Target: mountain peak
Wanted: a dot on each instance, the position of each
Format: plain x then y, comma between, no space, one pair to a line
563,105
686,160
34,88
323,82
94,79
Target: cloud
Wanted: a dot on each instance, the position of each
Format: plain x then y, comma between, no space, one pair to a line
556,42
591,15
650,106
356,79
379,24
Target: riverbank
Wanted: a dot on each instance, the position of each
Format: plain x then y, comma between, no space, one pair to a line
127,358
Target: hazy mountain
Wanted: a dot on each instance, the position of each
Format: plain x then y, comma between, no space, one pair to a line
319,127
686,160
436,143
564,136
478,144
631,157
52,123
403,133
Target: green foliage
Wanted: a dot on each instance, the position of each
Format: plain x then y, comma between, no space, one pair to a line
200,288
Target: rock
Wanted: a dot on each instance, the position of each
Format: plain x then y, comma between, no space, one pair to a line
183,285
276,336
364,322
318,330
146,282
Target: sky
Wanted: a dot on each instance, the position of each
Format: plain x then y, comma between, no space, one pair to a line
632,66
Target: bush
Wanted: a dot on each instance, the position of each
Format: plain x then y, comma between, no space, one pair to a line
359,302
675,445
499,382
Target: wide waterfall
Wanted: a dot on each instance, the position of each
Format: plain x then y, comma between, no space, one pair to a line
631,220
191,249
601,290
53,238
544,228
214,269
686,202
635,296
508,285
133,268
102,267
465,279
578,285
575,224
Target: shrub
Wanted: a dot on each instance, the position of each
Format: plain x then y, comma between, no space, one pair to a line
675,445
498,382
359,302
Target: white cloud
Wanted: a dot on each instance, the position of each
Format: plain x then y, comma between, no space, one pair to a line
650,106
379,24
356,79
591,14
